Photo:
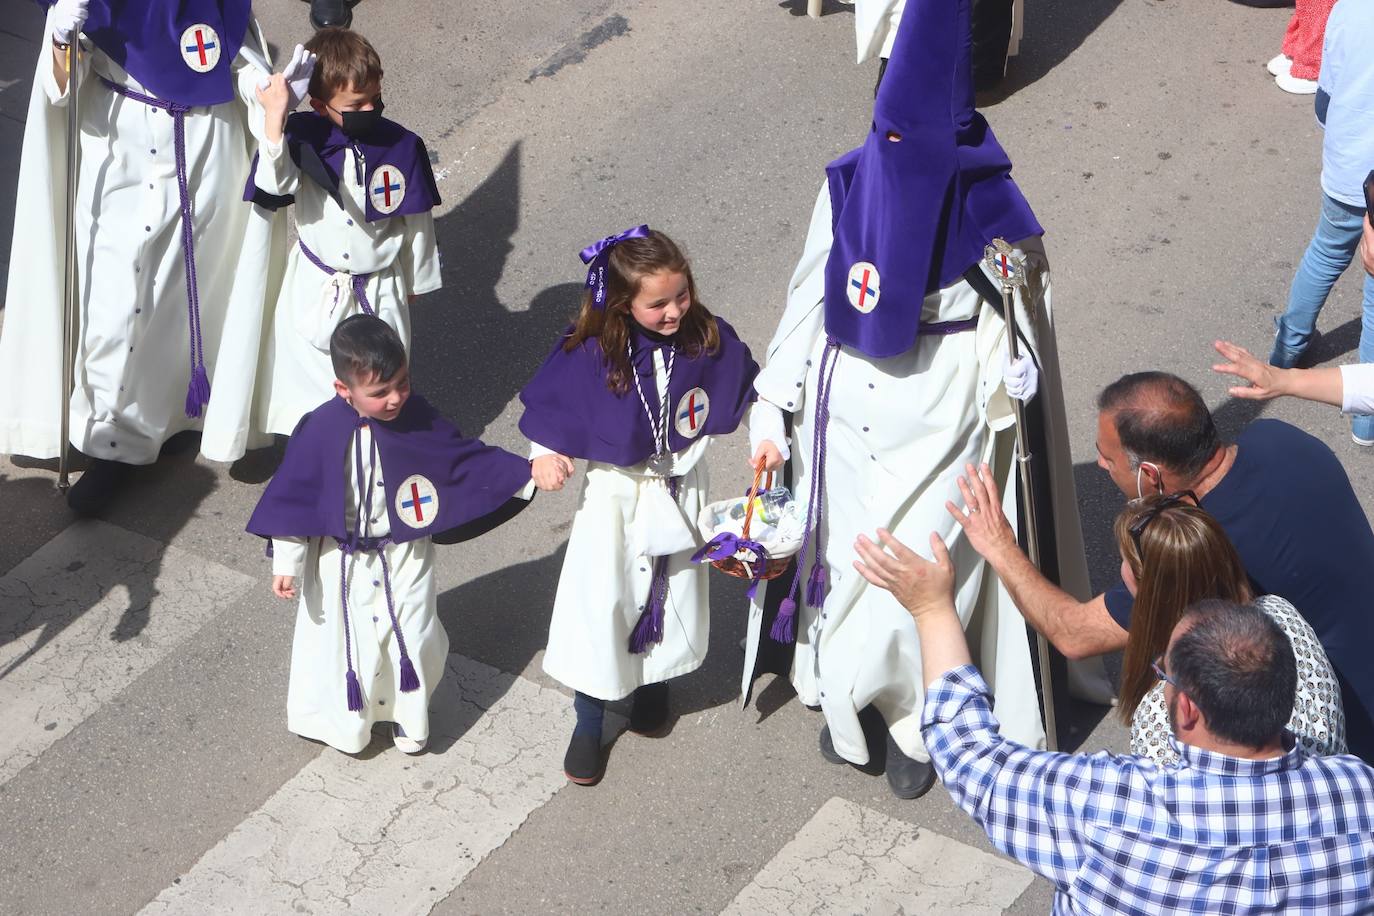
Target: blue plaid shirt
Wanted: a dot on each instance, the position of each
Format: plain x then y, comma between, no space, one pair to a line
1209,834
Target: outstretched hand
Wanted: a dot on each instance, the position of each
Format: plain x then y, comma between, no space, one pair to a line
919,585
1265,380
985,524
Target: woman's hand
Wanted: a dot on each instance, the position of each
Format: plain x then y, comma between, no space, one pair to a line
769,454
1266,381
982,518
919,585
551,471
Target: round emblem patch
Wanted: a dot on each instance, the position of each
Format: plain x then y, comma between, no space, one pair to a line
417,502
691,413
863,287
200,48
387,188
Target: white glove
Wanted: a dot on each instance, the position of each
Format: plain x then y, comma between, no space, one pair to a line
1020,378
66,17
297,73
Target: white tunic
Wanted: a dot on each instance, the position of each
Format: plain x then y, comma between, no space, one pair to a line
399,253
316,702
133,355
606,576
901,430
876,21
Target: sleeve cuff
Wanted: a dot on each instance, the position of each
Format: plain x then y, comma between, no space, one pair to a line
539,451
288,556
1357,388
950,692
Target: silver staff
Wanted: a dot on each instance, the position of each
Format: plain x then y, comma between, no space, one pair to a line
1010,270
71,289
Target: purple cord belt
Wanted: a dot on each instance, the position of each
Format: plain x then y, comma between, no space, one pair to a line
649,628
784,627
359,280
198,391
358,542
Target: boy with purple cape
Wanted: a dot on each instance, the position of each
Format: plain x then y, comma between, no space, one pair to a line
371,478
363,194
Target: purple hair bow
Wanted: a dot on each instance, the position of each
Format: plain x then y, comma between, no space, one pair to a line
726,545
596,255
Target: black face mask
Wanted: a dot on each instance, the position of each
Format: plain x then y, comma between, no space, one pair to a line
358,124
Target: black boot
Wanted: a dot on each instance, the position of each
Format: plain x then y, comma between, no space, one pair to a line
649,714
907,777
828,747
583,763
98,484
326,13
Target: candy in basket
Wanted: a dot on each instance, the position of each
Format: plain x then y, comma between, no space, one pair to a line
754,537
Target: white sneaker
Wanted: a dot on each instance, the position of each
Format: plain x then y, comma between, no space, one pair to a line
1279,64
1364,442
404,744
1290,83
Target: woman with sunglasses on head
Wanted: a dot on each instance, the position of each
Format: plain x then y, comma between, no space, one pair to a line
1173,554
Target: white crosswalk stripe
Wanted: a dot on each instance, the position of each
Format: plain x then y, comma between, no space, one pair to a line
392,834
85,616
850,859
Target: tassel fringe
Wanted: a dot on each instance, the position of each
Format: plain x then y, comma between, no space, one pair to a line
355,692
410,681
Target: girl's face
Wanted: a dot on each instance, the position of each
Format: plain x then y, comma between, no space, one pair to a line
662,300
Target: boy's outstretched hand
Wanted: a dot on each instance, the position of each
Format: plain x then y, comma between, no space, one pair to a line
284,586
550,472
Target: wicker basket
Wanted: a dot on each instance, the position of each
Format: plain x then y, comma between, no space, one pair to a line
734,566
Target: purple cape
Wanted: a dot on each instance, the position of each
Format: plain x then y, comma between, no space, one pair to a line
306,497
910,217
569,408
145,37
400,180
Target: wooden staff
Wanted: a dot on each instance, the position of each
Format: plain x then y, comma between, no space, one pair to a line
71,289
1011,271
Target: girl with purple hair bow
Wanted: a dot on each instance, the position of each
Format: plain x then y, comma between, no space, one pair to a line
637,387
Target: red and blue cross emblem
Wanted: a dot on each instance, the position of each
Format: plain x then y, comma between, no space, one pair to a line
200,48
417,502
387,188
692,411
863,287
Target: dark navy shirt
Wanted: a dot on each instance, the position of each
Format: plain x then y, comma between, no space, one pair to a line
1287,505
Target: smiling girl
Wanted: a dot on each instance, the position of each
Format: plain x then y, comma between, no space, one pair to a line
637,387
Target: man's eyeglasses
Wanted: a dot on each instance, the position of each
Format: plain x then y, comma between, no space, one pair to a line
1163,675
1182,497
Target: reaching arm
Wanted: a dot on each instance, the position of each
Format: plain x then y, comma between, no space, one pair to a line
1266,381
1078,629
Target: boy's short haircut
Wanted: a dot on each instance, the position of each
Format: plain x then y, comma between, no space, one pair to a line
364,348
345,60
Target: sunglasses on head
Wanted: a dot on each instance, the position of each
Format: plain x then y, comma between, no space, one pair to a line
1182,497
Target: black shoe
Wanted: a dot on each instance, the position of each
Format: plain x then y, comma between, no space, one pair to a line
326,13
828,747
98,484
583,763
649,713
907,777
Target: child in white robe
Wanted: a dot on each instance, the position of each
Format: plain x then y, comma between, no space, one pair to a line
364,194
637,387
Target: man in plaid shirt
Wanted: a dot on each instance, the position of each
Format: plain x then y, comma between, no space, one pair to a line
1245,822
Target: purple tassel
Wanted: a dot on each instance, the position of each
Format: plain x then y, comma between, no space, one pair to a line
355,692
410,681
648,630
785,624
815,586
197,393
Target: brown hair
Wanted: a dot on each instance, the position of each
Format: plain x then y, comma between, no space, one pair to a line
345,60
1183,557
628,264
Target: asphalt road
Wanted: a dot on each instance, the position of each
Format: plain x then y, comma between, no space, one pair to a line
1178,188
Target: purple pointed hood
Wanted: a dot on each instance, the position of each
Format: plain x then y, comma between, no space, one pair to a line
912,215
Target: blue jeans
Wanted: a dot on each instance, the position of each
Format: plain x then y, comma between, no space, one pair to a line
1329,254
